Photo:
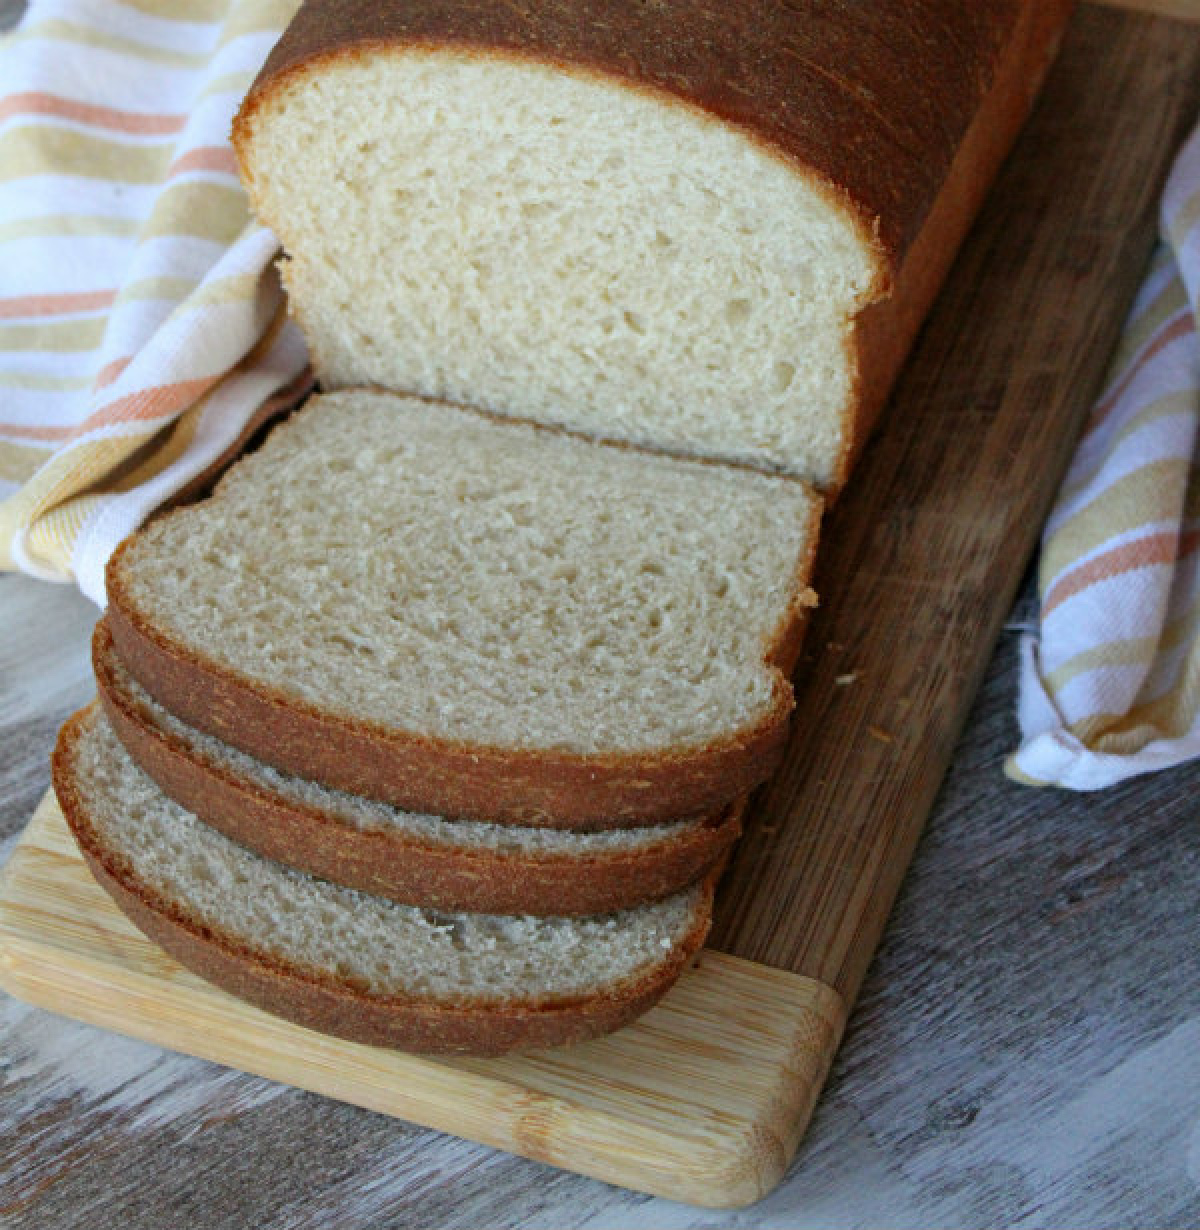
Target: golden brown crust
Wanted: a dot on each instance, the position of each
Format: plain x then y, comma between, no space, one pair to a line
444,777
883,332
872,99
402,866
319,1001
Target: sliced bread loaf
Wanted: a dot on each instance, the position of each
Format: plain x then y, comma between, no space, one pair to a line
358,966
422,860
708,227
476,618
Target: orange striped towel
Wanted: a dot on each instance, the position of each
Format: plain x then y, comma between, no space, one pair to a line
142,326
1110,682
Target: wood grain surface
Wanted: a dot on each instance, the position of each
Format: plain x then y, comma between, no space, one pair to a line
921,558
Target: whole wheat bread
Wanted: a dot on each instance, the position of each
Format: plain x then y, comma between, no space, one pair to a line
348,963
421,860
475,618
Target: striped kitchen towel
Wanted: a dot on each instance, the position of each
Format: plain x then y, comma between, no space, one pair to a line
1110,682
142,328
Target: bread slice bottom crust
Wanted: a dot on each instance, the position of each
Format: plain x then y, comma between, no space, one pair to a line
319,1000
395,864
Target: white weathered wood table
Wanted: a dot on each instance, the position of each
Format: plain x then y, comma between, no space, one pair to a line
1026,1050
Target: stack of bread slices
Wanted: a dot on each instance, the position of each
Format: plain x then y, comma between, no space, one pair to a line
433,725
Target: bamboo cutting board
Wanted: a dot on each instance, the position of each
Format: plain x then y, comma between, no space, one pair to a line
706,1097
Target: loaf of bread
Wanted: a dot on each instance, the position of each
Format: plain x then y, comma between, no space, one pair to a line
476,618
709,228
421,860
500,684
351,964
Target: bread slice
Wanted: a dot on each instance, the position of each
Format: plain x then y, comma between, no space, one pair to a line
476,618
421,860
712,228
347,963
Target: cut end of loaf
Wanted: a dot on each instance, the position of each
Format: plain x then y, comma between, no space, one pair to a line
549,243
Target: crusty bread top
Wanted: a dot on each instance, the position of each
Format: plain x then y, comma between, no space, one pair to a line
871,97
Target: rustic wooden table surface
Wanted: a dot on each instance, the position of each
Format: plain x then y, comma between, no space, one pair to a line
1026,1049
